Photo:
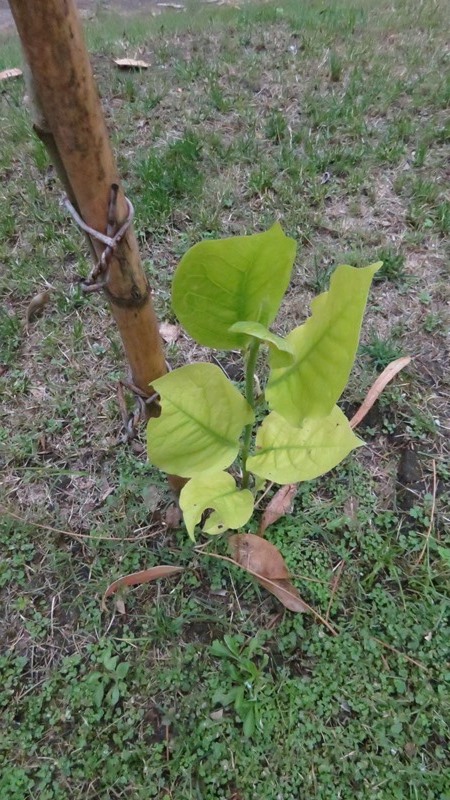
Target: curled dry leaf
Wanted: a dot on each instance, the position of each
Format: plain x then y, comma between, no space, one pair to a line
280,504
377,387
256,554
15,72
131,63
36,305
286,593
262,560
137,578
170,333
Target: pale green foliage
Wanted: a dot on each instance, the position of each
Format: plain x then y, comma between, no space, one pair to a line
287,454
201,421
219,283
226,293
260,332
324,349
217,490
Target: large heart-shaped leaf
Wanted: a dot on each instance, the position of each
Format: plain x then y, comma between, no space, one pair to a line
220,282
255,330
324,349
202,417
287,454
218,490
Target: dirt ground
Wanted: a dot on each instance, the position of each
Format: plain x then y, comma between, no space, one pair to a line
91,6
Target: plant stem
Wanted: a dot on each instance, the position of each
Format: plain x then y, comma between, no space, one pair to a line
250,397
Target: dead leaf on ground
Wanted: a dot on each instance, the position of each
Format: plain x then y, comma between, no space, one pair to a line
131,63
170,333
36,305
120,606
286,593
137,578
15,72
173,517
257,554
377,387
280,504
262,560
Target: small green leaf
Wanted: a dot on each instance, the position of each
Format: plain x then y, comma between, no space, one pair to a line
122,670
224,698
249,723
99,695
110,662
219,650
201,420
324,349
287,454
114,695
239,699
257,331
444,553
220,282
233,507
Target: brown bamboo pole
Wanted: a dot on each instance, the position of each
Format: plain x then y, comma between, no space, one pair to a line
53,44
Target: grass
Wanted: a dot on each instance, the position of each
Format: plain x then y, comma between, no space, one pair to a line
334,121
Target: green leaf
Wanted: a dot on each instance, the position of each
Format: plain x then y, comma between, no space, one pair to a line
110,662
324,349
218,283
249,723
122,670
99,695
287,454
444,553
233,507
202,417
260,332
114,695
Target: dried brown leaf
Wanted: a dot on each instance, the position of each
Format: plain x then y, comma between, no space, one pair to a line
173,517
137,578
170,333
266,564
280,504
131,63
258,555
286,594
15,72
120,606
377,387
281,588
36,305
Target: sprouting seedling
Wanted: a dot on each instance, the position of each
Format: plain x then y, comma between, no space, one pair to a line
227,293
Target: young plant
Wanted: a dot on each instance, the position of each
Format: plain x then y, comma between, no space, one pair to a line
227,294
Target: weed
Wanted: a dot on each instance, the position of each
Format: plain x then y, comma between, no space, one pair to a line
393,268
433,322
166,178
335,67
276,127
380,351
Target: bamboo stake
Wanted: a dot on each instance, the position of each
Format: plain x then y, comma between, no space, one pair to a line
53,44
